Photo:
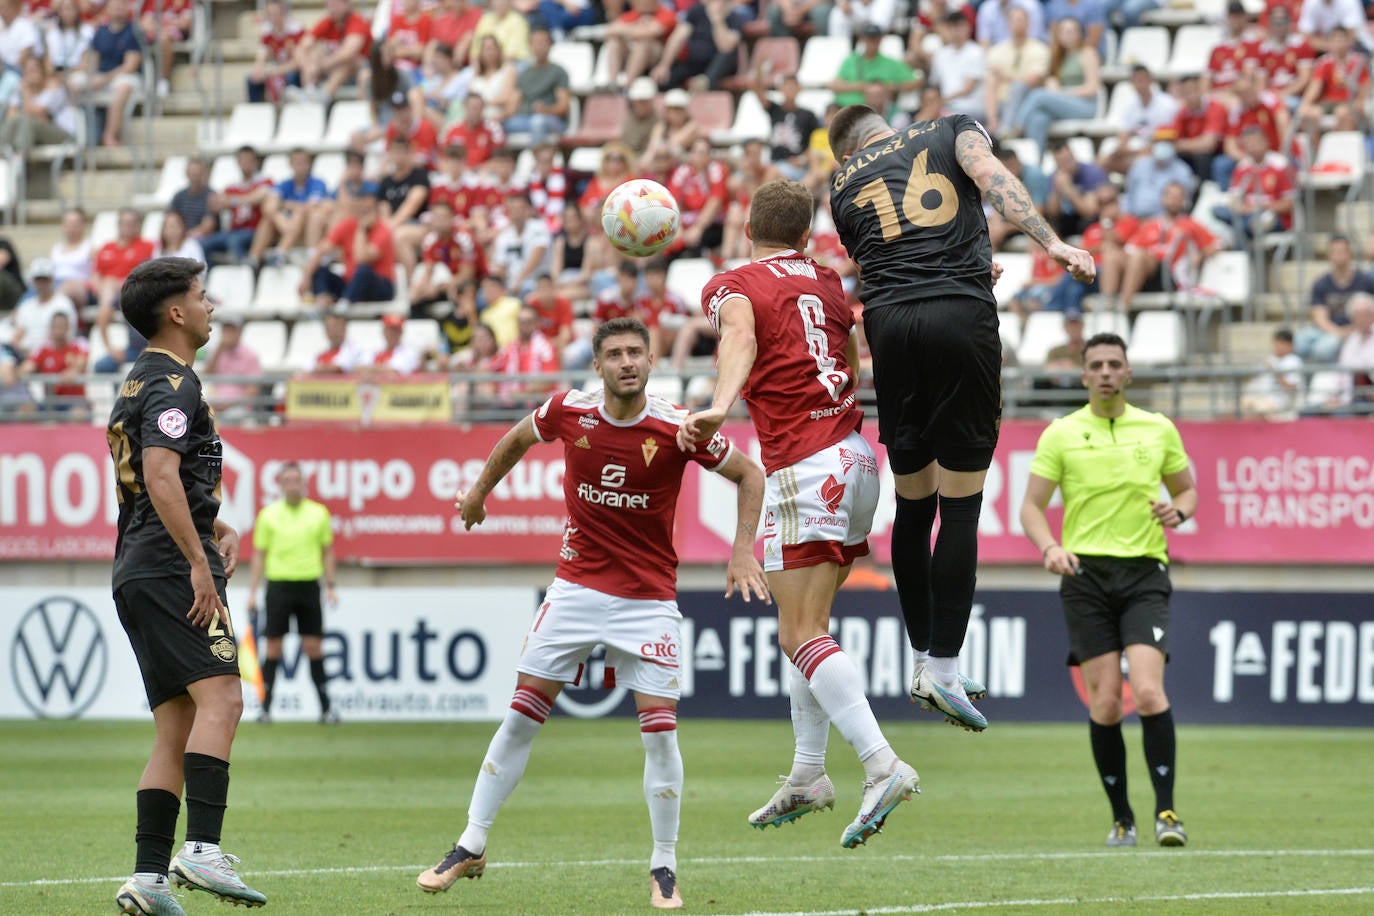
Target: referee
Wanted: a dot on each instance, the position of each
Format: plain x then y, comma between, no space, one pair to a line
1108,459
293,544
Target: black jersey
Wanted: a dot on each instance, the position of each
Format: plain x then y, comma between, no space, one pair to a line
161,404
912,220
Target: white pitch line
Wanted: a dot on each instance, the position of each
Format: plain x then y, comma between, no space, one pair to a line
1073,901
766,860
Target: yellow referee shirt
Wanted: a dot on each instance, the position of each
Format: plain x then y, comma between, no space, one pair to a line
1108,471
292,540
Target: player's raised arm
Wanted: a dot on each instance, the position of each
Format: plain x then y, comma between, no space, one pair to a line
744,571
735,358
471,504
1010,198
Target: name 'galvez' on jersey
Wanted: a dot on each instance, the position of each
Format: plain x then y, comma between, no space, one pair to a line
161,405
912,220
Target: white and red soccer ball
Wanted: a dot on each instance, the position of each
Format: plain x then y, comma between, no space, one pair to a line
640,217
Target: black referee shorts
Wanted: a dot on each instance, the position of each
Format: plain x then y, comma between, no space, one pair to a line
937,371
1115,602
300,600
172,651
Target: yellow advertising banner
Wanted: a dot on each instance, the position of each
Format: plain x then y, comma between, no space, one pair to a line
415,401
323,399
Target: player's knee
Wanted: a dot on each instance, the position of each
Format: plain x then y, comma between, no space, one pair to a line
1150,698
1105,710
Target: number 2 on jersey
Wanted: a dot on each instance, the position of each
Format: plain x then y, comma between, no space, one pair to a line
834,380
918,185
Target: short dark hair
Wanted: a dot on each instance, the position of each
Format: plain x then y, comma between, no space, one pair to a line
1057,143
628,268
657,265
1284,335
300,150
851,125
289,466
1140,68
248,149
618,326
780,213
352,155
1339,237
954,17
143,298
1104,339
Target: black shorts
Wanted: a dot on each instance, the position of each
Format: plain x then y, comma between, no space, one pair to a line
1116,602
172,651
300,600
937,371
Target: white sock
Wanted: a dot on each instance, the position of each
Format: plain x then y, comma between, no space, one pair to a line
840,691
810,726
662,781
206,849
921,657
504,764
150,877
946,670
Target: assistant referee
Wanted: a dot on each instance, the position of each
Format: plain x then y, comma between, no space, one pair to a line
1108,459
293,544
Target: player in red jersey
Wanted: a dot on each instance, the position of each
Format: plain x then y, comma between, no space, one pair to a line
821,490
615,583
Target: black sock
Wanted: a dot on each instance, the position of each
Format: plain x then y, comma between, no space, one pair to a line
158,810
269,679
1109,752
1157,734
953,573
319,677
207,795
911,565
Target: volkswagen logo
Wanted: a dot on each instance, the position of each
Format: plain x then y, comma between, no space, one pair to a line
59,658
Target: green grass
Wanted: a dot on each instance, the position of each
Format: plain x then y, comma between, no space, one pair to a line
340,820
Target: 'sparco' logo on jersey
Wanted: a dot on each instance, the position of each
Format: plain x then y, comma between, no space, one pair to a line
832,494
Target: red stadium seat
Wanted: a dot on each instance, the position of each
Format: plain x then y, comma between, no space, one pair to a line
603,118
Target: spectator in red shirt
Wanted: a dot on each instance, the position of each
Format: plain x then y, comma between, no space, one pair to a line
634,41
334,52
1230,54
1106,239
113,263
555,313
407,36
478,135
1172,240
1285,56
698,185
1201,125
174,26
1262,190
453,25
1252,107
369,257
243,199
1339,84
452,248
62,358
275,66
530,352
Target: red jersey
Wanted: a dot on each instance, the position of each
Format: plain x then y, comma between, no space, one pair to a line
244,215
424,141
664,17
341,236
1264,113
118,261
1226,61
478,142
1340,79
517,358
52,360
1210,119
333,34
455,251
801,390
1283,62
1171,239
553,316
457,194
621,481
281,46
596,192
1124,227
1265,182
409,31
548,193
692,189
455,31
610,304
650,309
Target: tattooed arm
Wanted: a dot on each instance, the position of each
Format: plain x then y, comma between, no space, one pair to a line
471,505
1010,198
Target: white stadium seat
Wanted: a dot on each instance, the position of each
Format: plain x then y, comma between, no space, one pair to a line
278,291
345,120
1043,332
302,124
307,342
171,179
1192,50
820,60
231,286
267,339
688,276
250,124
1157,338
578,58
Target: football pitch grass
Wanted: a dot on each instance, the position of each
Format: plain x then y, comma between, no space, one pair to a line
340,820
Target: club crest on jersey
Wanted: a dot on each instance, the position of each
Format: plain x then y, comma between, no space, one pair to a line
832,494
650,449
587,421
224,649
582,443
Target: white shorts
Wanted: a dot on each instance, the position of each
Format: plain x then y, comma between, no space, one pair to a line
820,509
641,635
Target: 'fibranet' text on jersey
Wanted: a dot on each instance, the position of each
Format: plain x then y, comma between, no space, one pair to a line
912,219
620,481
802,323
161,405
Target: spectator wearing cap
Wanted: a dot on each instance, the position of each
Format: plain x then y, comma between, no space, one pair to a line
1200,124
1068,356
1014,68
704,47
1262,190
243,199
343,355
634,41
642,116
542,97
113,264
677,131
369,255
112,64
866,66
33,317
396,357
1150,175
849,17
508,26
230,356
992,27
333,53
959,67
1146,110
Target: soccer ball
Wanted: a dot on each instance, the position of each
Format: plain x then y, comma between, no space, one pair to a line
640,218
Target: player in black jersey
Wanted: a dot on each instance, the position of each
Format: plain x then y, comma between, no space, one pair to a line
172,558
909,208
